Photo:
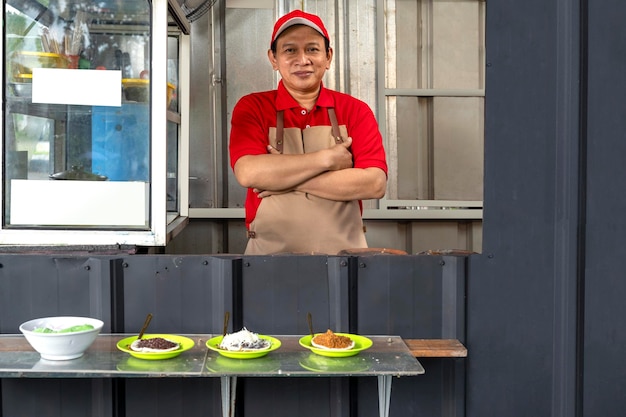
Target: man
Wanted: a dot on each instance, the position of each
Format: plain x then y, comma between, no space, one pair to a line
308,155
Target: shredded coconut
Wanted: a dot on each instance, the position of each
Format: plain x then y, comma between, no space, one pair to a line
243,340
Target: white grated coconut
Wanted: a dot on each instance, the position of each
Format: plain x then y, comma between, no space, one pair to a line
244,340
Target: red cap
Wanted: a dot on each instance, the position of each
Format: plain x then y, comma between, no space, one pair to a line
298,17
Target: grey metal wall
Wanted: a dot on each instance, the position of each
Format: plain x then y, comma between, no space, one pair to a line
546,298
604,286
523,292
410,296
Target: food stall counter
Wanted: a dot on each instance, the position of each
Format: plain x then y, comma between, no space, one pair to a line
387,357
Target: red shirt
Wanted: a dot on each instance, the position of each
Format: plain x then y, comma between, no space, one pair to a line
255,113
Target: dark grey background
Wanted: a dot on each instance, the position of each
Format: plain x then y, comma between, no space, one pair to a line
546,298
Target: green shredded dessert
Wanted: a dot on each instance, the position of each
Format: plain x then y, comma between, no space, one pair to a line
77,328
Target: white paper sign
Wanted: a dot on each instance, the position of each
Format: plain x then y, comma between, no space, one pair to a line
77,86
79,203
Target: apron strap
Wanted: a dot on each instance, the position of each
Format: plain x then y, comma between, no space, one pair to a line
335,125
280,127
279,131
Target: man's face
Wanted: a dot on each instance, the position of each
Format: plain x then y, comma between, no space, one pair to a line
301,59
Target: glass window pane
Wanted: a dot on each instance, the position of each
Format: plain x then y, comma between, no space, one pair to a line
443,51
458,131
77,110
435,148
457,45
172,167
172,73
173,126
435,136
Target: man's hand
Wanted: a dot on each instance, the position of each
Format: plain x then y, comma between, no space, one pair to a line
272,150
266,193
338,155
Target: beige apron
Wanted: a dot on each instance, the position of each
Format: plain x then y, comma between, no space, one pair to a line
298,222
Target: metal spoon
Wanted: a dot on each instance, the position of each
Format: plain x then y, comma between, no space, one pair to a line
309,320
145,326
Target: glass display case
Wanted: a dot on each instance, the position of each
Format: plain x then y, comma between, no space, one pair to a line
95,135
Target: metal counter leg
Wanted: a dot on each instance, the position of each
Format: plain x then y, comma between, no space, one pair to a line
229,392
384,395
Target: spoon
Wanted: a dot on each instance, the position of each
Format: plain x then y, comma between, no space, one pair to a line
145,326
226,317
309,319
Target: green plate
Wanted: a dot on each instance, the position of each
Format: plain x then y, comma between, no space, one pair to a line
316,363
185,344
360,343
251,354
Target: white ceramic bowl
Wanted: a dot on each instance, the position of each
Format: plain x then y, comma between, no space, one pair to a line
61,346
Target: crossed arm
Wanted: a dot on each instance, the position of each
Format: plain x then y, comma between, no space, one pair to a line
327,173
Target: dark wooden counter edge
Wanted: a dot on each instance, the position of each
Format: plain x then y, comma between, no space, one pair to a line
436,348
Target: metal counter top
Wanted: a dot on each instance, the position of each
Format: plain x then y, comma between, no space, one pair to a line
388,356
